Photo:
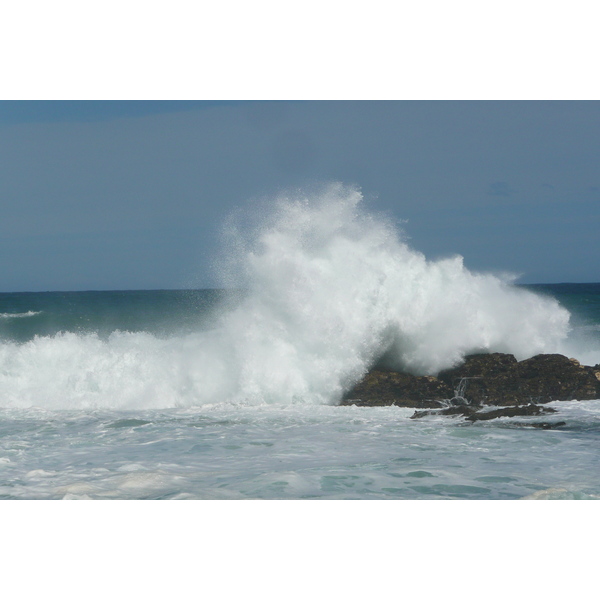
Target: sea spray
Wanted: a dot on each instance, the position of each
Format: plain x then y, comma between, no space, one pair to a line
330,289
333,288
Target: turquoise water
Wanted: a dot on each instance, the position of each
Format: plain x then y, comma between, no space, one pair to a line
24,315
233,452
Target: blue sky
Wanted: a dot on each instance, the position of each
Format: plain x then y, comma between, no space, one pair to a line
132,194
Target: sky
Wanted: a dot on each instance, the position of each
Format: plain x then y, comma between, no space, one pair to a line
134,194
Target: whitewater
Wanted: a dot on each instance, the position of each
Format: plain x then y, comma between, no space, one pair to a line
239,399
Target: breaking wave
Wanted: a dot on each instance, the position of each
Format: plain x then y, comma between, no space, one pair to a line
331,289
29,313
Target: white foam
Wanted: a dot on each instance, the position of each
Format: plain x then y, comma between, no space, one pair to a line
29,313
560,494
331,289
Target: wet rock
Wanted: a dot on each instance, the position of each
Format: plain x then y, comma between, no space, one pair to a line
482,379
511,411
389,388
475,414
538,424
546,425
549,377
486,379
500,380
463,411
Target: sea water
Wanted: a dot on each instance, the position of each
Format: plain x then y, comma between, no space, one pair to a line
233,393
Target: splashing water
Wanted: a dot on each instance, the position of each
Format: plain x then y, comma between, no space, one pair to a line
331,289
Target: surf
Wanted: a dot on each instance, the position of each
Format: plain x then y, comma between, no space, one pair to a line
329,289
29,313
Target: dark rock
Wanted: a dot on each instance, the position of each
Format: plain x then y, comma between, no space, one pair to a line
474,414
511,411
483,379
463,411
548,425
540,424
481,365
486,379
500,380
388,388
549,377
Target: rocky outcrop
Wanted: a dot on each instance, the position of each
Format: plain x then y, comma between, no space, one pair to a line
477,413
473,413
387,388
483,379
500,380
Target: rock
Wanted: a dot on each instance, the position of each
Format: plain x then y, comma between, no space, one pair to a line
546,425
463,411
473,414
487,379
549,377
483,379
498,380
388,388
539,424
511,411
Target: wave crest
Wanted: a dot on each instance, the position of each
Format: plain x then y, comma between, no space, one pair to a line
331,289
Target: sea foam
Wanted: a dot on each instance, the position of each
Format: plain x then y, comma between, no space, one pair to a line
331,289
29,313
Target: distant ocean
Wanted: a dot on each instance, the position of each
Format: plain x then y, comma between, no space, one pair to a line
221,394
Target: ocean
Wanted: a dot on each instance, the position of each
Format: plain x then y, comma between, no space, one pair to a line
233,393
